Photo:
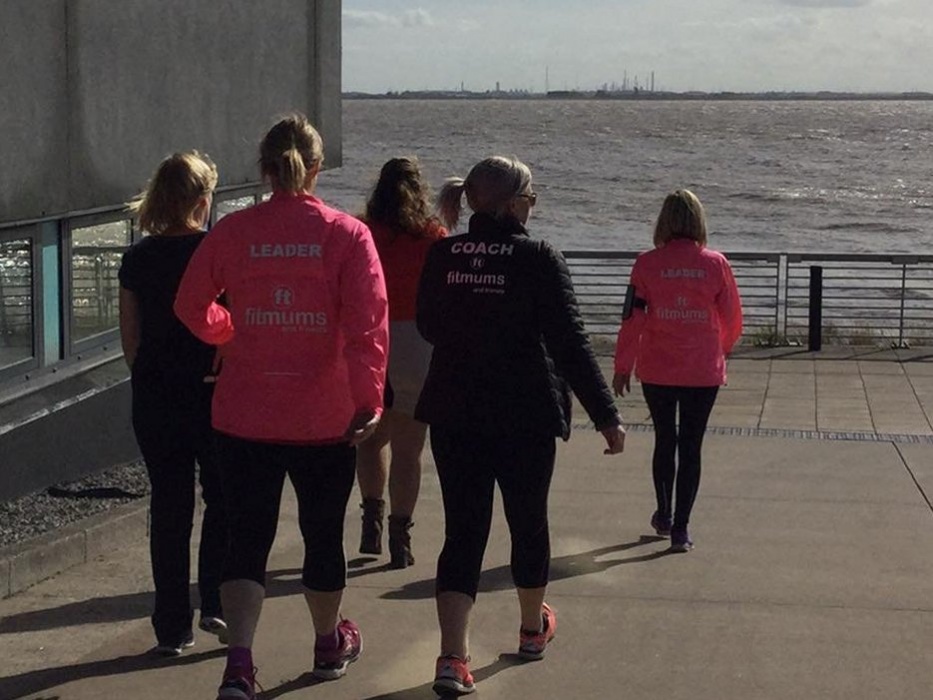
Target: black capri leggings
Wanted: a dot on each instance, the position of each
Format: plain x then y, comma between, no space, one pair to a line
696,404
253,477
468,466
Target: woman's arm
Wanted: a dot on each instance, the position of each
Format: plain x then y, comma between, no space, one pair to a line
428,299
364,322
196,300
729,306
568,344
129,325
628,339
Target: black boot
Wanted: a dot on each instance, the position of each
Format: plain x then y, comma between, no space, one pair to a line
371,533
400,542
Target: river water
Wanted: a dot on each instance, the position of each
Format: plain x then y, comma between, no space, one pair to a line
840,177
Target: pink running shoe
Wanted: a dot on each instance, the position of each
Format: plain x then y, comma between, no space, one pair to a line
238,684
452,676
332,664
531,645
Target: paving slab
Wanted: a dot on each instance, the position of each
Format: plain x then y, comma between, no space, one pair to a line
812,578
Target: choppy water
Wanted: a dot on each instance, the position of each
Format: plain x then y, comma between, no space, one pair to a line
774,176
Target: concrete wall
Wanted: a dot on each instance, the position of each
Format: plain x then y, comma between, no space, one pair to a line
93,93
67,430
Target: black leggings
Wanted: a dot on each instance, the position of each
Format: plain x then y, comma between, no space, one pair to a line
696,404
468,466
173,431
254,474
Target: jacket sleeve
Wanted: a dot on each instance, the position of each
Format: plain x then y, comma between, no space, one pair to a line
196,300
729,306
428,306
364,321
630,331
568,344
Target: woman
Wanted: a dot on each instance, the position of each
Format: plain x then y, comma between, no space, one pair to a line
398,214
304,345
682,316
172,400
500,311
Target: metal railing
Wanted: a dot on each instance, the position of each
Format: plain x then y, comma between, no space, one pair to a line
864,300
95,289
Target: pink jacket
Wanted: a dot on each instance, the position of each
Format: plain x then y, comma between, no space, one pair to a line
306,334
692,319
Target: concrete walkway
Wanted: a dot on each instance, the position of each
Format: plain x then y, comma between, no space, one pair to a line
812,577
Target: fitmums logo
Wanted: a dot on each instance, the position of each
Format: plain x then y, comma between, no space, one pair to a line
285,318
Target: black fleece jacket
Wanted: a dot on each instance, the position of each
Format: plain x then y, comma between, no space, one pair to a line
500,311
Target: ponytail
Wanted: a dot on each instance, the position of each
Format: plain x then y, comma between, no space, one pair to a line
450,201
290,152
490,186
291,171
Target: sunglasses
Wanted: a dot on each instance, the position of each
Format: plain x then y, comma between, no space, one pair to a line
532,197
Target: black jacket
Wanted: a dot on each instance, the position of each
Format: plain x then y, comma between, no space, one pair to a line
500,311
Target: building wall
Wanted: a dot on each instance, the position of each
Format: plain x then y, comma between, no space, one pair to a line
93,93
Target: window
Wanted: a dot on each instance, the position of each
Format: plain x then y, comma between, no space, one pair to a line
96,252
17,322
228,206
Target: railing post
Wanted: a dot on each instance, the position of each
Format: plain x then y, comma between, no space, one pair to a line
815,343
780,329
900,325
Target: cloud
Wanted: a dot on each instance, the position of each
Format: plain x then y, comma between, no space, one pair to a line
417,18
827,3
371,19
367,18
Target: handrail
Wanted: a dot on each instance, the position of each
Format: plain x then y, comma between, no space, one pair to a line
865,298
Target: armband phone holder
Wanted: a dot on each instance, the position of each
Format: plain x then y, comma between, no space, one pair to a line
632,302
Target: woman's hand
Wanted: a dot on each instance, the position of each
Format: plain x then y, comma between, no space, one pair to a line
362,426
622,383
615,439
216,365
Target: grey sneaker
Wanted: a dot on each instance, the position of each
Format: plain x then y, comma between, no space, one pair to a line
680,541
174,648
661,525
215,626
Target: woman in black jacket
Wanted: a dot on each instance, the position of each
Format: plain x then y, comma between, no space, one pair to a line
500,311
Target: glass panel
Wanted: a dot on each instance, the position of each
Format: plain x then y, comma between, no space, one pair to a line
228,206
16,320
95,288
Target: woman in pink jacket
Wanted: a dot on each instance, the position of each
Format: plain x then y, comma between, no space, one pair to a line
303,342
682,316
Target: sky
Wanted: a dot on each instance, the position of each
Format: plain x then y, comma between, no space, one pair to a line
710,45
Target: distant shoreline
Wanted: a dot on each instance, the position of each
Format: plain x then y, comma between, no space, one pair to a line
644,96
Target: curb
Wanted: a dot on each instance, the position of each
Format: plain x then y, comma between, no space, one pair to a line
26,564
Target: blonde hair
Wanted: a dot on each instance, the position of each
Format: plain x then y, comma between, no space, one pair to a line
172,195
401,198
490,185
290,152
681,216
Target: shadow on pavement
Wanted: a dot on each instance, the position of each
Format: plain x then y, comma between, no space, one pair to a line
567,566
24,684
424,691
131,606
